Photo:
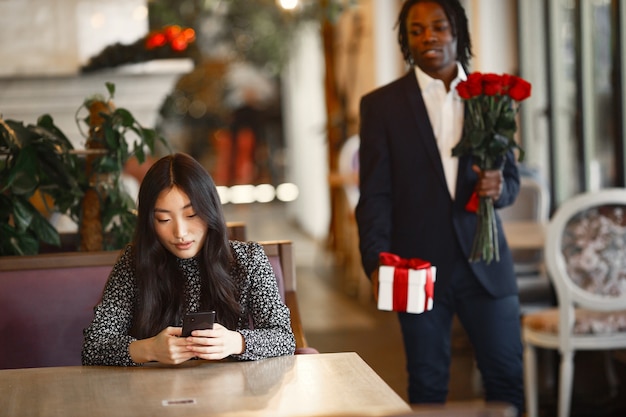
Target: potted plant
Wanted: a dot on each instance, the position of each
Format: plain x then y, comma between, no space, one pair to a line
39,160
35,160
106,214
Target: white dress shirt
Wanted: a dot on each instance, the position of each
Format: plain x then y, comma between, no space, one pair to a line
446,113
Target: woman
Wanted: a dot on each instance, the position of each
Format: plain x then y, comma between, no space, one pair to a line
181,261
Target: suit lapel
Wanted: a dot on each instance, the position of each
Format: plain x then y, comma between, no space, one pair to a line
420,116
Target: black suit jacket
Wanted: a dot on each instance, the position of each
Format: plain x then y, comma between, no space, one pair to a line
405,206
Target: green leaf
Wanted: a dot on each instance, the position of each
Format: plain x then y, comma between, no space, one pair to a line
108,163
149,136
140,154
45,121
111,137
44,230
13,243
56,171
6,208
7,235
23,213
125,116
8,138
476,139
123,153
23,178
22,135
25,245
110,88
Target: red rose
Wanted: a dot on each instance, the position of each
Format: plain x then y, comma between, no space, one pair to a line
492,84
519,89
507,81
475,84
463,90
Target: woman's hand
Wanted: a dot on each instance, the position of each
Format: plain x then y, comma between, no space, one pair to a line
166,347
489,183
216,343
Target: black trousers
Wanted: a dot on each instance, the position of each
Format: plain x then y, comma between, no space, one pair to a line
493,327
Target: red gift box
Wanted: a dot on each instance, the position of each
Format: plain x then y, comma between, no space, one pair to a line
406,285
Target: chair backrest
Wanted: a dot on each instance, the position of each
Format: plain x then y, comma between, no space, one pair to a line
280,254
586,251
532,203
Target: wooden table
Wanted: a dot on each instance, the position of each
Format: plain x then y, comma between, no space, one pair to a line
525,234
302,385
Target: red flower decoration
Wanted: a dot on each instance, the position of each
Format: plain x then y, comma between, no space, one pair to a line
177,38
171,32
155,40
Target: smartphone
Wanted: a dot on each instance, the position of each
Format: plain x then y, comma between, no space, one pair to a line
197,321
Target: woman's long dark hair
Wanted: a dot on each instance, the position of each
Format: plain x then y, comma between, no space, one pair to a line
458,19
160,282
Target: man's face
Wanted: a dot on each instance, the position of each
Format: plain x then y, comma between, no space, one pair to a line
432,44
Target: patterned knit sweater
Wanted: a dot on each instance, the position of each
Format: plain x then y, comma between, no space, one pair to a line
106,340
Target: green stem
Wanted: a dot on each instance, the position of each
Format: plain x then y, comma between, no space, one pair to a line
485,244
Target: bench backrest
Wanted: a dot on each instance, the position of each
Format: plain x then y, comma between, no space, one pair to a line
45,303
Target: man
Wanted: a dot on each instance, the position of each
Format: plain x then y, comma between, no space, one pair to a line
412,203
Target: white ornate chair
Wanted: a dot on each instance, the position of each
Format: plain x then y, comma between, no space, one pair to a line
585,255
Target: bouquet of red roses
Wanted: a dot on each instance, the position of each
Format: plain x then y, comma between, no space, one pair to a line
492,102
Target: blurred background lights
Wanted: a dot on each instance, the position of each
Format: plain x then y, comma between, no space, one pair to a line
287,192
97,20
288,4
264,193
241,194
224,194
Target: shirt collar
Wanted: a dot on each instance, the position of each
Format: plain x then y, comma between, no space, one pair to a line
425,81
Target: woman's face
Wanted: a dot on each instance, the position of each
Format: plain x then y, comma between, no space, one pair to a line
432,44
179,229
